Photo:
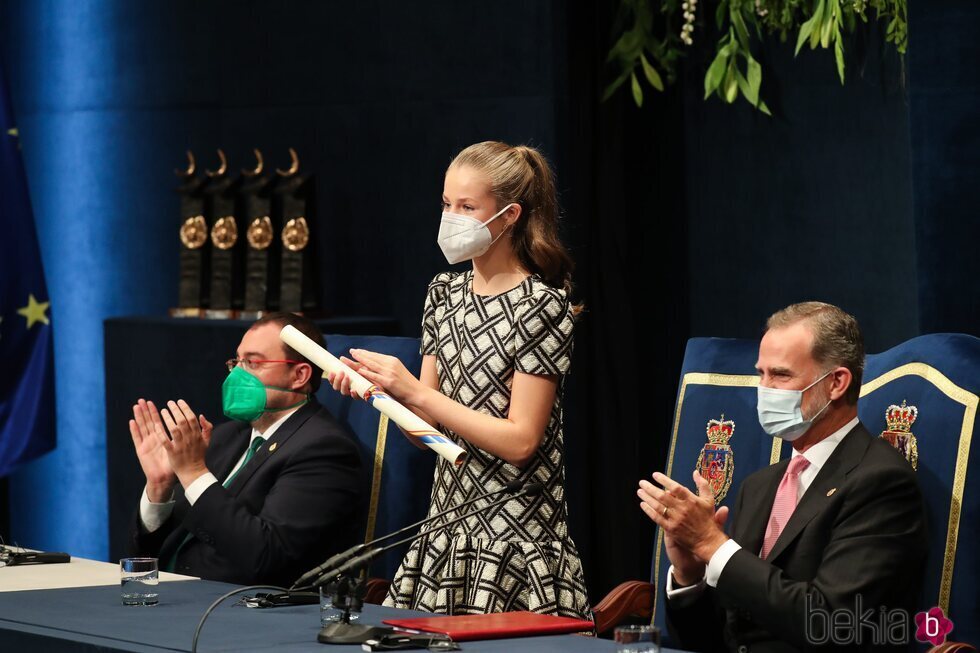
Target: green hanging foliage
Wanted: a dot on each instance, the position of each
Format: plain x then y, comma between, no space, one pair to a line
655,34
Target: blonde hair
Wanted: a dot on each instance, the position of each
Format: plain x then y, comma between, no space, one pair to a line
837,338
521,175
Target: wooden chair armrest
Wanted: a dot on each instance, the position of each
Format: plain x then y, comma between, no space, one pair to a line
630,599
376,591
951,647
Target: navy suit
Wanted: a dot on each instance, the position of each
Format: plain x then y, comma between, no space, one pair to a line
859,529
295,503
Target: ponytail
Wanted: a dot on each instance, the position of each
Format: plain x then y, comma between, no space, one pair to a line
523,176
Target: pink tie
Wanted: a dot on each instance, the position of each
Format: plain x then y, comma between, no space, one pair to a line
785,503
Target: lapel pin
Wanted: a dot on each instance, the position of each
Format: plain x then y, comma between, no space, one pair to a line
272,447
831,491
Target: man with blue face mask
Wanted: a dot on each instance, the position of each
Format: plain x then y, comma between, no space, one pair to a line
840,526
258,499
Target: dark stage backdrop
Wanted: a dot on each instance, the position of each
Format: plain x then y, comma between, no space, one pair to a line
815,203
943,107
686,218
375,96
704,218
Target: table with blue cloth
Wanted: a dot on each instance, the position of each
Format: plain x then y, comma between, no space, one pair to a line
93,619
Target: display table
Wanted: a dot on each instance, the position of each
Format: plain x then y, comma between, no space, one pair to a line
93,619
77,573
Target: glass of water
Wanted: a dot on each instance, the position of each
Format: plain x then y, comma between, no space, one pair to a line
643,638
139,578
330,612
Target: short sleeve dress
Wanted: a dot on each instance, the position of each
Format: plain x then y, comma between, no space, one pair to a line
518,556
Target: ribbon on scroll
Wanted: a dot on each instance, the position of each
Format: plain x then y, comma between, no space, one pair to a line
403,417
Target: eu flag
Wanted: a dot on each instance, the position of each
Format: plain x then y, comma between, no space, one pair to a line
27,425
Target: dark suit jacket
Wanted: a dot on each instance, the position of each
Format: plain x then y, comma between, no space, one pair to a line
297,501
858,530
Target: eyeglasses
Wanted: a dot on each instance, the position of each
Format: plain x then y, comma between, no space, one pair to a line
252,364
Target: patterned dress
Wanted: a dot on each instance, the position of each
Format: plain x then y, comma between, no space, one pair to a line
518,556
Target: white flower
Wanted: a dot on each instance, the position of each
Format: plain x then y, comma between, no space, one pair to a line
687,28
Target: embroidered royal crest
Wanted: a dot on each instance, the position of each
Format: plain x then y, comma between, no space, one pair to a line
716,462
899,431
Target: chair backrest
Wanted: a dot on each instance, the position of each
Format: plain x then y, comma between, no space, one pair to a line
938,374
400,474
718,383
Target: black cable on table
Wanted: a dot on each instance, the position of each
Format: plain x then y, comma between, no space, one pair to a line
200,624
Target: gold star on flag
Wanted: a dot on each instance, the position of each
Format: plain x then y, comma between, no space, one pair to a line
34,311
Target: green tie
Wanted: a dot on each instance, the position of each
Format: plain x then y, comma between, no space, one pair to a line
256,444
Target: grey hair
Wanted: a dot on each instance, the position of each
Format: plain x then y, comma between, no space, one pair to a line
837,338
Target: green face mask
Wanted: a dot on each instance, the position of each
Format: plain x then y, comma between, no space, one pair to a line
243,396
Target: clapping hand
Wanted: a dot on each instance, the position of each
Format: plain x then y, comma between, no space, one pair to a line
190,435
170,445
147,431
691,525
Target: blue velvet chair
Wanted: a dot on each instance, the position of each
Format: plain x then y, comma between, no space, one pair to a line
938,375
718,383
400,474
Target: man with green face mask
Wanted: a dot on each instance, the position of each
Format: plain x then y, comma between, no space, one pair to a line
261,498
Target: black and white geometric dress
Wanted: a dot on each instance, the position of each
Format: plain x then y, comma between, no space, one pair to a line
518,556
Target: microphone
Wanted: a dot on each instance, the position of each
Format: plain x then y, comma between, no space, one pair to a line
354,563
13,558
357,549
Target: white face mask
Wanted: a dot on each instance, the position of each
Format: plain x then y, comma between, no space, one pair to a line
781,411
462,237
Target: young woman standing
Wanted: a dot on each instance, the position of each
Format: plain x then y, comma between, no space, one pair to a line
496,345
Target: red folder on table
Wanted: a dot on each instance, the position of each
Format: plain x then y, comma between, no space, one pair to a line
498,625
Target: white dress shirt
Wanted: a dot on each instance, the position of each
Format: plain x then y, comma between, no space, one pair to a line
817,455
153,515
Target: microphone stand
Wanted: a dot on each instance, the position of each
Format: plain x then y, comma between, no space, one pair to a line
344,556
348,595
342,575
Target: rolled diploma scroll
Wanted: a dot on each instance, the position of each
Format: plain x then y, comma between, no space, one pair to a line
403,417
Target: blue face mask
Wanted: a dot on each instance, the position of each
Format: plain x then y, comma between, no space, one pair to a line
781,411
